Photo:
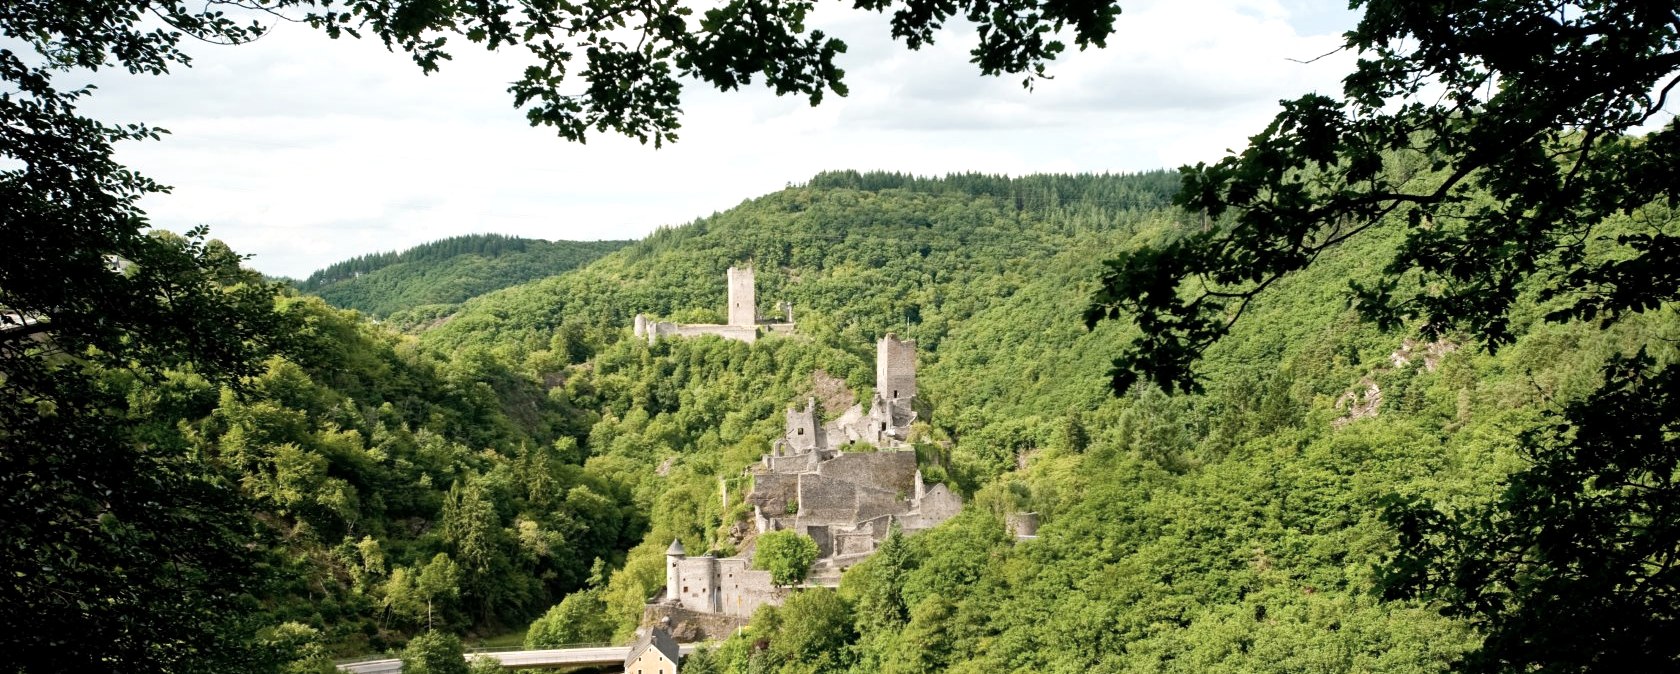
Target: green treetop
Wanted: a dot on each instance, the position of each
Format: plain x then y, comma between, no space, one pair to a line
787,555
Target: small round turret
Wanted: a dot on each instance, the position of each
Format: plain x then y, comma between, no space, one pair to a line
673,555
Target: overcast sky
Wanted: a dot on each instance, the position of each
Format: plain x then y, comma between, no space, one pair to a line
304,150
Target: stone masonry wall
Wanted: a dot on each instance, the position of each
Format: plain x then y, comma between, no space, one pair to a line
793,465
938,504
803,431
748,334
824,539
848,427
872,503
697,582
741,590
689,626
824,500
854,543
772,492
893,471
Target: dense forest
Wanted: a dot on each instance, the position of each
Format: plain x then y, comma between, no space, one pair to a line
447,271
523,459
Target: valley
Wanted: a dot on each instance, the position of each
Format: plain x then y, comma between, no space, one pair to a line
1241,525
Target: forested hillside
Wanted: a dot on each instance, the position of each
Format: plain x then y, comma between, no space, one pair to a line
447,271
856,254
1241,529
525,455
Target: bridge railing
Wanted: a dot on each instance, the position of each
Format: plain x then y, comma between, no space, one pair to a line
392,655
366,658
510,649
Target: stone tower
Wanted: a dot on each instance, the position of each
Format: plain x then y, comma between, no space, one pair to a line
742,301
803,430
703,576
673,555
895,368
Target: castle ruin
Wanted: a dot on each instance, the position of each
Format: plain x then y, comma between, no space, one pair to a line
886,423
741,310
847,502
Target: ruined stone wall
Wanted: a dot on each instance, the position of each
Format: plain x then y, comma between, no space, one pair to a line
742,589
872,503
827,572
772,492
902,413
748,334
793,464
1021,524
880,428
859,540
688,626
938,504
825,500
803,432
895,367
743,308
878,526
824,537
892,471
848,427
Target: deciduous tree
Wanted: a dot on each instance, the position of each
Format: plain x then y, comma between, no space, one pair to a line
787,555
434,653
1572,568
1503,133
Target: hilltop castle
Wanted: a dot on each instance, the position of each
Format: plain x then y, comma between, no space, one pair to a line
741,309
846,501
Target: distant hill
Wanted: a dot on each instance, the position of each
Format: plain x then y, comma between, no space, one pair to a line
858,254
447,271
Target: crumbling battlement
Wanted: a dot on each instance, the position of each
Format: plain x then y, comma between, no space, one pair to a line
741,309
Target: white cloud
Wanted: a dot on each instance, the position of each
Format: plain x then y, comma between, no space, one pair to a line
305,150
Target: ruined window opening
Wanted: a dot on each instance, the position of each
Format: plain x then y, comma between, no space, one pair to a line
895,393
883,426
801,431
685,588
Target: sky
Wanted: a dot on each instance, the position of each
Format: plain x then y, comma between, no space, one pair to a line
302,150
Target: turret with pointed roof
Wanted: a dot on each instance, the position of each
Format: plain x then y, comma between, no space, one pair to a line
673,555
